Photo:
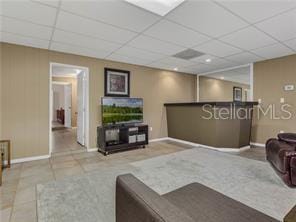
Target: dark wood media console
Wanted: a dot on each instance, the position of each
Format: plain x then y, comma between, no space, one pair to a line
116,138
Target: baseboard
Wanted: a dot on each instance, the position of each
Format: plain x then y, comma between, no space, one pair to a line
27,159
257,144
231,150
158,139
92,149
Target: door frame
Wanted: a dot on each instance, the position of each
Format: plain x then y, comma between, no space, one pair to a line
86,99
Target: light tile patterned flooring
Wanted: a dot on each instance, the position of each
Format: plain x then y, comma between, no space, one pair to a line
18,192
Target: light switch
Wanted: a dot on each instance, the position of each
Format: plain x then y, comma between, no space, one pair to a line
259,101
282,100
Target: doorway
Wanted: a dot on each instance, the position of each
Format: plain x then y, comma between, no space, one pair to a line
69,116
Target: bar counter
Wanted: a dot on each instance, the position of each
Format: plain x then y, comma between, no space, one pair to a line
215,124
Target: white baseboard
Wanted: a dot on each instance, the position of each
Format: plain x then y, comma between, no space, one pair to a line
27,159
92,149
226,149
257,144
159,139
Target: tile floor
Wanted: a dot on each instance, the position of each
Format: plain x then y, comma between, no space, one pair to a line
65,139
18,191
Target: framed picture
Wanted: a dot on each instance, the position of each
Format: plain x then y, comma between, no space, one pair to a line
117,83
237,94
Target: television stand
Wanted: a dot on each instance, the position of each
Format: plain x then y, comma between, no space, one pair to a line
116,138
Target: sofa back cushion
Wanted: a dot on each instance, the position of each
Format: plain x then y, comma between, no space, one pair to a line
135,202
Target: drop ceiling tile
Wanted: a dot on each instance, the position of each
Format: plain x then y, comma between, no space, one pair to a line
200,68
248,39
254,11
21,40
206,17
244,58
116,12
73,23
291,43
160,65
281,27
273,51
217,48
29,11
126,59
154,45
139,53
176,62
178,34
84,41
78,50
25,28
52,3
214,60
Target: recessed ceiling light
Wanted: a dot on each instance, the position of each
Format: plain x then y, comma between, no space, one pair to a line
222,77
176,69
208,60
160,7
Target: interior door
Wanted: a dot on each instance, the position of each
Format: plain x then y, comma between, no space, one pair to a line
68,105
81,109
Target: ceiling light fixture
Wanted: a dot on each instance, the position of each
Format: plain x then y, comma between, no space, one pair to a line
222,77
160,7
208,60
176,69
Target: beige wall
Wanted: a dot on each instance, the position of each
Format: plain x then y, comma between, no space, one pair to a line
211,89
1,67
269,79
73,82
25,89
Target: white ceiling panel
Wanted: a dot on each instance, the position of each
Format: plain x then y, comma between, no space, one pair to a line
21,40
52,3
73,23
139,53
83,41
78,50
25,28
116,12
200,68
254,11
29,11
206,17
244,58
291,43
282,27
126,59
161,65
217,48
273,51
176,62
172,32
248,38
154,45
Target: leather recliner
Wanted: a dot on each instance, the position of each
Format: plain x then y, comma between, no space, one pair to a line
281,153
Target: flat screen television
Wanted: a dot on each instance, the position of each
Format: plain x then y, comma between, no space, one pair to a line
117,110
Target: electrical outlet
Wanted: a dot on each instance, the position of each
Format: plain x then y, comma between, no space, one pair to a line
150,128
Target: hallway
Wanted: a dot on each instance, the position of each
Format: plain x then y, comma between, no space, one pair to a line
65,139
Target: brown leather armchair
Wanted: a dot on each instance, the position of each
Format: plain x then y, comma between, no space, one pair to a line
281,153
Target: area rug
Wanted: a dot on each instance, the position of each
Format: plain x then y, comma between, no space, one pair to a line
91,197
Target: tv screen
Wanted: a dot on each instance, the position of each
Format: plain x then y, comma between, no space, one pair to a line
122,110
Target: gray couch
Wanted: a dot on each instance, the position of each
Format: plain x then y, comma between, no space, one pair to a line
135,202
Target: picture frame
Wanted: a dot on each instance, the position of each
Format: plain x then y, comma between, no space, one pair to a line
237,94
117,83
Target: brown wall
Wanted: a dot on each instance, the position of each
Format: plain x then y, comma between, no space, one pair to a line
270,76
73,82
25,89
211,89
